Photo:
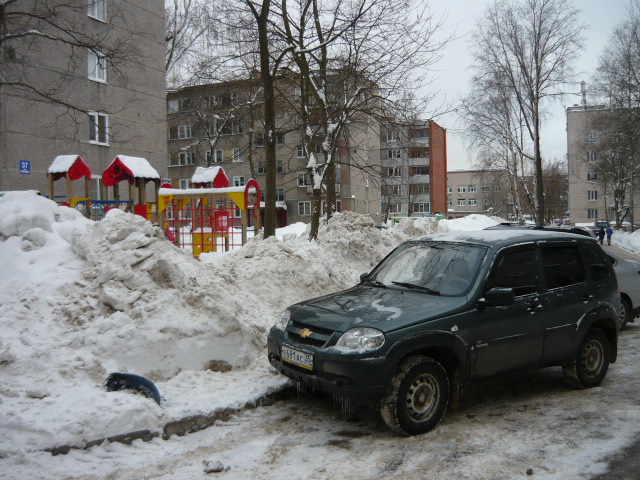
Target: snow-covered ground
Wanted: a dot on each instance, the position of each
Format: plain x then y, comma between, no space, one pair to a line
81,299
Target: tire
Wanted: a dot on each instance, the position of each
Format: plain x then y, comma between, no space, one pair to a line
624,313
417,397
591,361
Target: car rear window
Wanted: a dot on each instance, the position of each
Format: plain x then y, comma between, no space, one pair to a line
562,266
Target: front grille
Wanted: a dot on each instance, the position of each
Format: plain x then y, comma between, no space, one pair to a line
317,338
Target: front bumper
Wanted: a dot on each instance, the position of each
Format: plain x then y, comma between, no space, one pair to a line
359,378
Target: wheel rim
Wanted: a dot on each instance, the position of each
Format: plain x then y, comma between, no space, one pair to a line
592,358
622,313
422,397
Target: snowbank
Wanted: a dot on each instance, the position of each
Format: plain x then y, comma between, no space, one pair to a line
80,300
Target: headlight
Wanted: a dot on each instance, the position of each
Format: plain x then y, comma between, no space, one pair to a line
282,322
361,338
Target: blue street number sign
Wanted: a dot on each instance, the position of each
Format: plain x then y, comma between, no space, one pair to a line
25,166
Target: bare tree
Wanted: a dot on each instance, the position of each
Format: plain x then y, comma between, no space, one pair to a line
528,47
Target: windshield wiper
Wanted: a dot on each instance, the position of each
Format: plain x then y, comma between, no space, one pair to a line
376,283
413,286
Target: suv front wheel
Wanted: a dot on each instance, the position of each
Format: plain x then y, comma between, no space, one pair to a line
417,397
591,362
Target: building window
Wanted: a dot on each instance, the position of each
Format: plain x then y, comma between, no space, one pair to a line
99,128
367,180
338,188
591,157
394,172
184,183
592,213
238,181
300,151
237,128
449,189
471,189
486,188
280,166
592,195
462,202
592,137
393,135
260,169
496,188
297,93
280,195
420,133
187,158
462,189
304,209
97,9
218,157
418,152
420,208
280,139
394,153
259,141
237,155
592,176
97,66
419,171
449,203
303,180
395,208
416,188
185,131
391,190
473,202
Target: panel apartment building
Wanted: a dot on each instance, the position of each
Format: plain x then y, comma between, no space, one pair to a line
220,125
118,109
414,168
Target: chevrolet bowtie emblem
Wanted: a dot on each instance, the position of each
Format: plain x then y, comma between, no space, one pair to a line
304,333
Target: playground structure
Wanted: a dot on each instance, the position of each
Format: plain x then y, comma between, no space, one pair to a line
213,216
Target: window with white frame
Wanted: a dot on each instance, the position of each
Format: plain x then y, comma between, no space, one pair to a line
303,180
486,188
238,181
592,213
99,128
419,170
260,170
449,189
280,139
367,180
473,202
97,66
393,135
304,208
592,195
393,190
592,176
449,203
471,189
394,153
280,166
591,157
395,208
185,131
97,9
96,187
280,195
394,172
338,188
218,156
259,140
421,207
187,158
592,137
237,128
237,155
300,151
184,183
462,189
173,105
462,202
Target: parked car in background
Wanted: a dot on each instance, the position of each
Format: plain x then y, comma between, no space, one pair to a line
627,270
598,224
443,310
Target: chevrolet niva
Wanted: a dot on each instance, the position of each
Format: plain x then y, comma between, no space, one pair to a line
443,310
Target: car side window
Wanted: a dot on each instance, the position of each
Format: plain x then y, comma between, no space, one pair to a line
595,259
562,266
516,270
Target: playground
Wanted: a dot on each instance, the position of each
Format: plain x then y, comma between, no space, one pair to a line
212,216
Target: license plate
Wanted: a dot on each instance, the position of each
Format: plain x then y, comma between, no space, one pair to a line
298,358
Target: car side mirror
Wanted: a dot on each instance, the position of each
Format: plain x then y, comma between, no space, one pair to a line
497,297
364,276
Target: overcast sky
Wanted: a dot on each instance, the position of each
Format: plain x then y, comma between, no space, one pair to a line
453,74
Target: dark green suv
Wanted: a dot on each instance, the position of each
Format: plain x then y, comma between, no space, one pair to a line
442,310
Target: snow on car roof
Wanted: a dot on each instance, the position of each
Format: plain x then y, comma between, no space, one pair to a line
497,237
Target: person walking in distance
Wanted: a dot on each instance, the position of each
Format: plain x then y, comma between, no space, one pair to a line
609,232
601,235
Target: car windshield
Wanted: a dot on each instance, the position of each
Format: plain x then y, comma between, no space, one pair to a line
437,268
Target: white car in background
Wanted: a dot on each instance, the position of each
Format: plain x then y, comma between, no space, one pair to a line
628,273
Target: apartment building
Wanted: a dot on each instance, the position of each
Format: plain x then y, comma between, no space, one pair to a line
102,109
414,168
484,192
591,195
220,125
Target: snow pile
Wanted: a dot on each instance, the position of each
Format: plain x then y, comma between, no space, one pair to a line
80,300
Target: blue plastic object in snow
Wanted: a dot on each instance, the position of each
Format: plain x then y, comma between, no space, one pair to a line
119,381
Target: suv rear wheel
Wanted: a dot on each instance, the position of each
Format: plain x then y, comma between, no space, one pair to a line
591,361
417,397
